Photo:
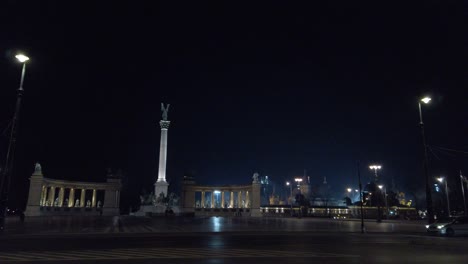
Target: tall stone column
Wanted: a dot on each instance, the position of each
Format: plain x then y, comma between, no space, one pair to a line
71,197
93,200
161,184
52,196
203,199
222,199
212,199
231,200
239,199
82,198
61,194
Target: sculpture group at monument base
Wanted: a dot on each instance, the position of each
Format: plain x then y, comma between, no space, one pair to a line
157,210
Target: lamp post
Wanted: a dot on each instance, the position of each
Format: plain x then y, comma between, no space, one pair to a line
376,168
361,198
7,170
430,211
462,179
299,180
290,195
385,196
444,179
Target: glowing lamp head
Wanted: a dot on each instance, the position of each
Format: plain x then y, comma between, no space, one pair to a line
440,179
380,187
426,100
217,192
375,167
22,58
298,179
349,190
287,183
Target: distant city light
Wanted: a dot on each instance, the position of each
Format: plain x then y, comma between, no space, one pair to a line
287,183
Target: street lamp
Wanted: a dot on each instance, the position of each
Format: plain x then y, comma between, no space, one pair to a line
385,196
7,170
376,168
441,180
298,180
430,212
290,195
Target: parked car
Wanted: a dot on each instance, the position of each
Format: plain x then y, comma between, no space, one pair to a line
449,227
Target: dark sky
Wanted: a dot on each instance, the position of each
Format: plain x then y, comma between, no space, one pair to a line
275,88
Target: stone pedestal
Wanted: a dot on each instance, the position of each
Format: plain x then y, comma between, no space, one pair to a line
160,187
35,193
255,210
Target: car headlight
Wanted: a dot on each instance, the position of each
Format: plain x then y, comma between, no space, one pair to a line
427,226
440,226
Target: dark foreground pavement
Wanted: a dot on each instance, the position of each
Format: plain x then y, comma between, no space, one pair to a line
225,240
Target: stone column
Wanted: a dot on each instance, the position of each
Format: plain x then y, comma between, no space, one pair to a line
82,198
60,196
161,184
212,199
71,198
43,195
222,199
239,199
247,199
203,199
52,195
231,201
93,200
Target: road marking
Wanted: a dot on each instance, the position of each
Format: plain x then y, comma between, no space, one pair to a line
157,253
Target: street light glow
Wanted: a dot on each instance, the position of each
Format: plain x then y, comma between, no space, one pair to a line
380,187
375,167
287,183
349,190
298,179
22,58
426,100
441,179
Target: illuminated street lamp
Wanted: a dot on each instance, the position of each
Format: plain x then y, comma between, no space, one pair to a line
349,190
385,196
375,168
441,180
290,194
298,180
8,168
430,212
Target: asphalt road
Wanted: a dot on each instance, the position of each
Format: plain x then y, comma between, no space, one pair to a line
257,247
227,240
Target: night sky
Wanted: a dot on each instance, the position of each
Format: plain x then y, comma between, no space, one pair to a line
271,88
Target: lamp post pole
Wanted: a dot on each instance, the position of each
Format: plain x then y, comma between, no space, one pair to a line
444,179
8,169
360,197
290,196
463,192
377,192
430,211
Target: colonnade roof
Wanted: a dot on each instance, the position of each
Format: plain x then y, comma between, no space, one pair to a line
219,188
83,185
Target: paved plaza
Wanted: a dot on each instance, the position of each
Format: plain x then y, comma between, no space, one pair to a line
223,240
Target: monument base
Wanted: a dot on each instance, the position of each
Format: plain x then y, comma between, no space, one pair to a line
157,210
33,210
160,187
255,212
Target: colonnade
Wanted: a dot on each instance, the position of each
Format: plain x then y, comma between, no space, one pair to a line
241,201
49,197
